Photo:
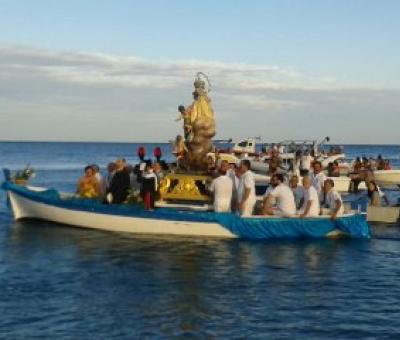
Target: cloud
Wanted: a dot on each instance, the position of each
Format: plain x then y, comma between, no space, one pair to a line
87,96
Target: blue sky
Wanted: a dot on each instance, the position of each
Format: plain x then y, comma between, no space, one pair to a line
345,46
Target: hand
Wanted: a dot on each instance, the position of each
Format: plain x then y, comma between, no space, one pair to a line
333,216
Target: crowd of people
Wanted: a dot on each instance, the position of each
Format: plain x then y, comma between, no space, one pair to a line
122,179
233,185
234,191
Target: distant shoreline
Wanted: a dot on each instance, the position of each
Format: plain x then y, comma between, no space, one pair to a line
164,142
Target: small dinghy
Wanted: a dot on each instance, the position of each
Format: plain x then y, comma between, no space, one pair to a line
51,205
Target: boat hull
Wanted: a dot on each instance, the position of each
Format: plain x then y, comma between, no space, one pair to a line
49,205
387,178
26,208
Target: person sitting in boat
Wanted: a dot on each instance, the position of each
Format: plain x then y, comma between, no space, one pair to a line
88,185
298,191
120,184
111,168
222,188
333,201
280,200
99,178
311,205
375,195
318,178
387,165
333,169
380,163
246,189
149,187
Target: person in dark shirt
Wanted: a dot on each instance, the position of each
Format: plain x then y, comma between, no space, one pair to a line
149,187
120,184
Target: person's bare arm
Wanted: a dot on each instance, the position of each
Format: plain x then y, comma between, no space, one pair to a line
307,209
338,206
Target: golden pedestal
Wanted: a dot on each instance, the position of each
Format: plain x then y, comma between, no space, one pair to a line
185,187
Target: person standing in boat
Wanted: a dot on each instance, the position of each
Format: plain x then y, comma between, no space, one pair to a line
333,201
281,196
246,189
318,178
311,205
120,184
222,188
149,187
88,185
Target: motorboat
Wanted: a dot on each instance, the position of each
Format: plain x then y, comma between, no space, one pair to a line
387,178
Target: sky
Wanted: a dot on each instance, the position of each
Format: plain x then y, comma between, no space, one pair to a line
98,70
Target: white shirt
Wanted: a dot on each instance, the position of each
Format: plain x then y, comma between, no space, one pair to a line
235,180
306,162
247,182
330,200
318,183
284,199
222,189
311,194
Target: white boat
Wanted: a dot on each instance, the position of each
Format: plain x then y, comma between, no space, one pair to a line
387,178
51,205
383,214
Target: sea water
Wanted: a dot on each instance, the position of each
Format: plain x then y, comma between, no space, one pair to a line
70,283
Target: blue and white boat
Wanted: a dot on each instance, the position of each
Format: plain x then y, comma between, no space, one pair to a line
29,202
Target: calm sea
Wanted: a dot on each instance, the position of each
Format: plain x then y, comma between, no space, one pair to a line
60,282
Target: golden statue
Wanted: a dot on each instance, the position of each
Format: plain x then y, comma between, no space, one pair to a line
191,180
202,126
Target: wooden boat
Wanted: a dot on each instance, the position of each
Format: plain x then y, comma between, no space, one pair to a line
383,214
51,205
387,178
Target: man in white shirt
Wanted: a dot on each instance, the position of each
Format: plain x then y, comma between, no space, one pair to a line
282,195
318,178
311,200
333,200
246,190
221,187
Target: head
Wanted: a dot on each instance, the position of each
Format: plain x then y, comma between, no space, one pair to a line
96,168
181,109
244,165
178,138
149,167
306,182
294,181
111,167
328,185
119,164
223,168
89,171
317,167
276,180
157,167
